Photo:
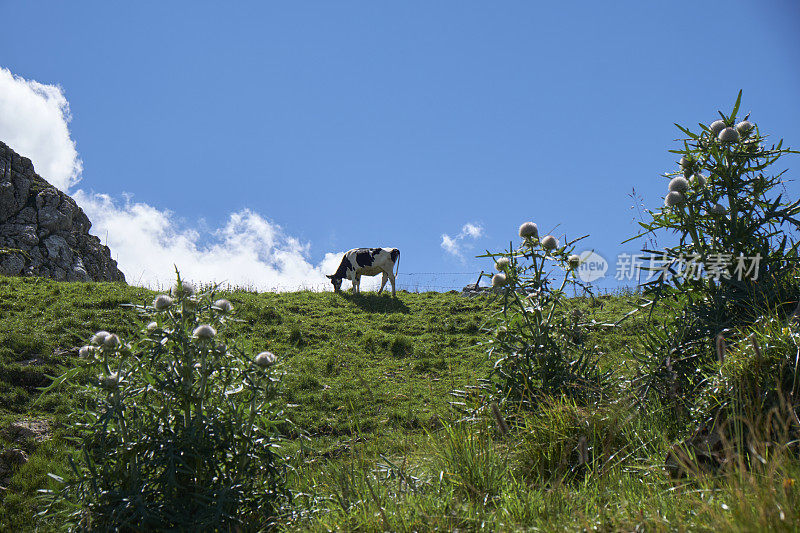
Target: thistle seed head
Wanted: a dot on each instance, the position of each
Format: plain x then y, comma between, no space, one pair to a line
162,302
100,337
679,184
265,359
698,181
528,229
716,127
574,261
185,289
152,326
204,331
744,128
111,341
549,243
499,280
686,162
728,135
502,264
86,351
674,198
223,306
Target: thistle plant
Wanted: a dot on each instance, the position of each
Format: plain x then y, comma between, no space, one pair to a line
735,251
534,344
179,429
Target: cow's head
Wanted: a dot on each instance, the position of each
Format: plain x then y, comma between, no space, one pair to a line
337,282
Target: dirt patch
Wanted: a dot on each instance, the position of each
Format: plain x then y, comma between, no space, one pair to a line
27,430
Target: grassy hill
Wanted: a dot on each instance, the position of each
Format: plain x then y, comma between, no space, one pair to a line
375,443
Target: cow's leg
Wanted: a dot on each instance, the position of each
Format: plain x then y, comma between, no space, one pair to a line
391,278
357,284
384,278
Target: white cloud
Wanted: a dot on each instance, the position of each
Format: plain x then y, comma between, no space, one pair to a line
247,251
456,245
449,244
472,230
34,121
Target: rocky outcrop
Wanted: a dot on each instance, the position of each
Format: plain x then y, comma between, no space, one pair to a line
43,232
473,289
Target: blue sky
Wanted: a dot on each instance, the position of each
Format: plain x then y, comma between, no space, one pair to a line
325,126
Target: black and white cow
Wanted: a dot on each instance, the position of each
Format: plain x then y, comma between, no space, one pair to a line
366,262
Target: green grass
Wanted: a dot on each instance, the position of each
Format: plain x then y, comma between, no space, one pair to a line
374,443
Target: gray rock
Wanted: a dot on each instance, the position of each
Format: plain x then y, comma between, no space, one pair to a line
58,274
23,235
43,232
58,250
473,289
14,186
78,271
26,216
12,263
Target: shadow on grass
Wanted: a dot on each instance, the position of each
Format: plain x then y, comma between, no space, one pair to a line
376,303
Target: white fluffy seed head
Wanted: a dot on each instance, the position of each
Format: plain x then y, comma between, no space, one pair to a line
744,128
574,261
86,351
162,302
528,229
728,135
223,306
111,341
502,264
686,162
499,280
698,181
549,243
204,331
717,209
185,289
265,359
152,326
717,126
674,198
100,337
679,184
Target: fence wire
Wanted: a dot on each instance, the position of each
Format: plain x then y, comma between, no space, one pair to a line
406,281
415,282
